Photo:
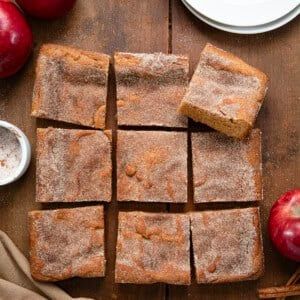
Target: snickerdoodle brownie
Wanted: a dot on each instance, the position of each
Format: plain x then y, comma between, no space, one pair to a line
67,243
226,169
150,87
73,165
227,245
224,93
71,85
152,166
153,247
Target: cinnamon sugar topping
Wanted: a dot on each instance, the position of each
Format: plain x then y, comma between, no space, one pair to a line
233,253
150,88
152,166
224,93
73,165
161,248
67,242
225,169
71,86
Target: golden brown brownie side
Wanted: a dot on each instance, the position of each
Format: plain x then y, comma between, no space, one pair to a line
152,166
67,243
73,165
153,247
226,169
71,85
150,87
224,93
227,245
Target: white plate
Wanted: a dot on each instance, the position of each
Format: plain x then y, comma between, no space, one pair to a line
246,29
243,12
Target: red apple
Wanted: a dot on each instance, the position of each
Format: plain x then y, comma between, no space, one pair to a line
46,9
284,224
15,39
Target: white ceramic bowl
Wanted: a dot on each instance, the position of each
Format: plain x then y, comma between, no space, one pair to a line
243,13
25,150
244,29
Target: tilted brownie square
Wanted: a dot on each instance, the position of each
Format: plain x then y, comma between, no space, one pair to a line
224,93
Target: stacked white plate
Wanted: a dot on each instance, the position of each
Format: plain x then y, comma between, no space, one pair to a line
244,16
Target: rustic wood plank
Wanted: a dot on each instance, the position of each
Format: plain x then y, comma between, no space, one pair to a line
277,53
104,26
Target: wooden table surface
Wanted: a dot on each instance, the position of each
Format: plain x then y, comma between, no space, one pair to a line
151,26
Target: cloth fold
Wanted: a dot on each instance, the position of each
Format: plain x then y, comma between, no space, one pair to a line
15,278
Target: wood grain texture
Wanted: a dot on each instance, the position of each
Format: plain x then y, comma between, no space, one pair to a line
142,26
277,54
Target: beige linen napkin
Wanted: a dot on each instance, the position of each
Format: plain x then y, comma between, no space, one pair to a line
16,282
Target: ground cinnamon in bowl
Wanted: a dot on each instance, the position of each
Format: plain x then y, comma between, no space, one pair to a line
10,154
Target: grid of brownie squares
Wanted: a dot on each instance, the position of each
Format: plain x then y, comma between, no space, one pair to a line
65,243
74,165
153,247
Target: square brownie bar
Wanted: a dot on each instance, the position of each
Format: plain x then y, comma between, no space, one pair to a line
226,169
227,245
152,166
224,93
67,243
150,88
73,165
153,247
71,86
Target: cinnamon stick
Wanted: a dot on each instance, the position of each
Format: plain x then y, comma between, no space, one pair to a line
294,279
282,291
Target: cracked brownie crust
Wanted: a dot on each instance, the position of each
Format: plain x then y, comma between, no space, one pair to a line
67,243
71,86
153,247
224,93
227,245
150,88
225,169
152,166
73,165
